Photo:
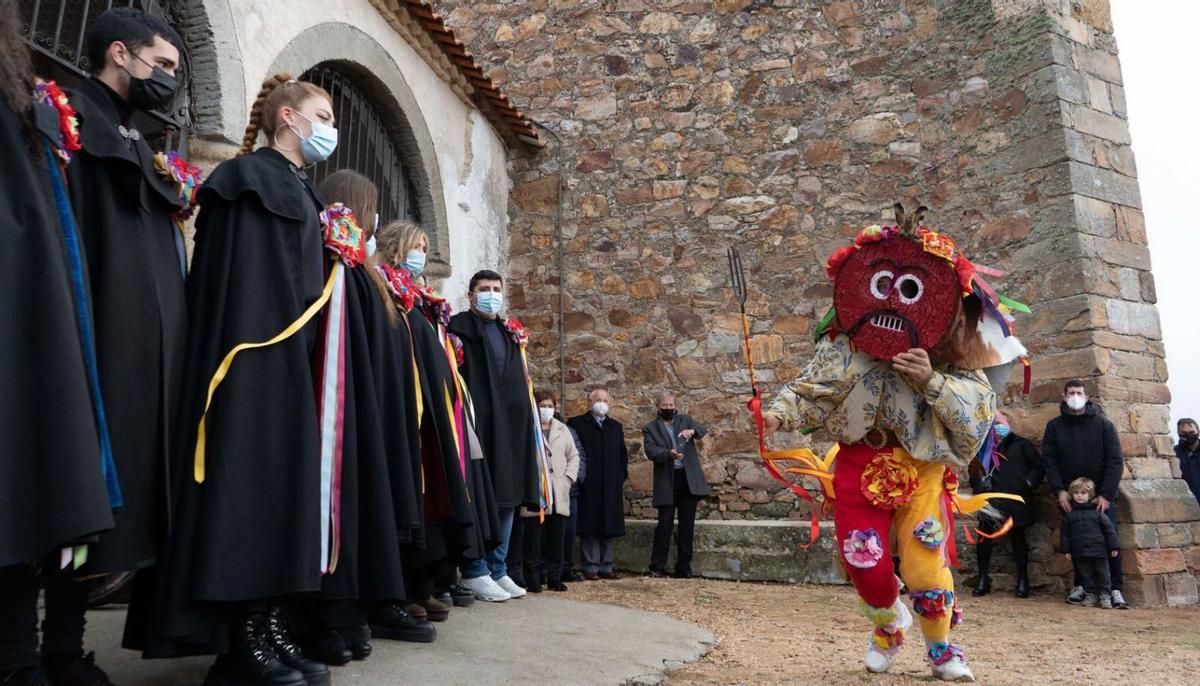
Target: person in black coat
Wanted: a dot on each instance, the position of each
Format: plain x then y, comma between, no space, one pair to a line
1089,540
54,451
1188,452
1081,442
251,526
679,484
1018,471
602,496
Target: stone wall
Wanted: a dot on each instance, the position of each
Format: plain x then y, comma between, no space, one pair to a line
784,126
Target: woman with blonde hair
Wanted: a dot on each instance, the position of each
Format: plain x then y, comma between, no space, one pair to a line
248,524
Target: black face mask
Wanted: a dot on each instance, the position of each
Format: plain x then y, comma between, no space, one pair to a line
154,92
667,414
1187,440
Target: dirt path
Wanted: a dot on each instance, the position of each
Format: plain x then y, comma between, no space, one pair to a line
770,634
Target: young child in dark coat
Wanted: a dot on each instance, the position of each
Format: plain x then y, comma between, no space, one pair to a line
1089,539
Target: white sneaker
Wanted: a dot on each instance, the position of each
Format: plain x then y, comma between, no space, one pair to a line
954,670
879,661
486,589
510,587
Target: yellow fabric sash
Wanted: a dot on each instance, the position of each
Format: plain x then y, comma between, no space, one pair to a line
223,368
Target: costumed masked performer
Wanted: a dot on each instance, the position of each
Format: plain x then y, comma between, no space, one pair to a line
254,525
897,380
446,417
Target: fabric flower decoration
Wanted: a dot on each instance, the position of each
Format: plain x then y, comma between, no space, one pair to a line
516,330
862,549
186,178
879,616
887,482
940,653
343,235
400,284
932,604
930,532
956,615
48,93
887,641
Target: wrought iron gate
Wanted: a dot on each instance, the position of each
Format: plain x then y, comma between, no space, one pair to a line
366,144
54,29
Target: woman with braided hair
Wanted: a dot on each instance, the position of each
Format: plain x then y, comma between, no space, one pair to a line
249,531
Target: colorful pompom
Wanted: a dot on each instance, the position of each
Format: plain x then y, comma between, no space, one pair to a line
940,653
930,532
862,549
932,604
888,482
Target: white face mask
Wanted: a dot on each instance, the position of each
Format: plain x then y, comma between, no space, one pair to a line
370,246
1076,402
546,413
414,262
600,408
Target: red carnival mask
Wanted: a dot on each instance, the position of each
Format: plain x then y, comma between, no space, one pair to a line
893,295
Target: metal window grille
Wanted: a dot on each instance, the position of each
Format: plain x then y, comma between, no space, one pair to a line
55,30
366,144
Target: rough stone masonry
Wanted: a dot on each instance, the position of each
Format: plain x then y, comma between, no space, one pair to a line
784,126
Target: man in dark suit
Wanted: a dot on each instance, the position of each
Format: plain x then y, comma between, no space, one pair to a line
679,484
602,497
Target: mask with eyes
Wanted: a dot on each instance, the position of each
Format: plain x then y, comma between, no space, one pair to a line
893,295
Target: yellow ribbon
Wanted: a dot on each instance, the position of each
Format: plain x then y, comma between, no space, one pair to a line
223,369
810,465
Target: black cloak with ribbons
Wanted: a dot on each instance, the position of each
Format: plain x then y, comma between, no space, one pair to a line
123,207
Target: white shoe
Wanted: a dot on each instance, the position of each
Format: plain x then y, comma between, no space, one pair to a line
510,587
486,589
879,661
954,669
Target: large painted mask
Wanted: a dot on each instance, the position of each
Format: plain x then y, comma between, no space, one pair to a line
909,286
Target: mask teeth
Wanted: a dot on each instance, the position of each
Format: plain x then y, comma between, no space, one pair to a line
889,322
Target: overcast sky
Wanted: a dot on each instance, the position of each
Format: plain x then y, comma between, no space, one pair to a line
1160,65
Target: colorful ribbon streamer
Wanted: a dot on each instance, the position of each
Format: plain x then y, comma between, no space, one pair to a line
331,403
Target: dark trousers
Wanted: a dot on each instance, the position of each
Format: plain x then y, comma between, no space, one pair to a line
568,563
1020,545
62,629
1094,573
547,549
1114,563
685,505
515,559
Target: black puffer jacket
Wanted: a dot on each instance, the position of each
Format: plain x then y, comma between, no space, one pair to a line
1076,445
1087,532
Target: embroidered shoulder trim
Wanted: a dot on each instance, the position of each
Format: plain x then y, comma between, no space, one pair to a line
48,93
343,236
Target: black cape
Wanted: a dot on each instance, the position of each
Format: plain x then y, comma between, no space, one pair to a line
602,495
449,508
503,414
52,491
134,253
379,499
252,529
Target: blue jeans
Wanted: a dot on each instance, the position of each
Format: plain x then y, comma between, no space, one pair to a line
493,562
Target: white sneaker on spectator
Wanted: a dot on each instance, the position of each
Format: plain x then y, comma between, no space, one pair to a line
510,587
486,589
1076,596
1118,600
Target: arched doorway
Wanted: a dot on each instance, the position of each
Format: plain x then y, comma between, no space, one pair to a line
367,143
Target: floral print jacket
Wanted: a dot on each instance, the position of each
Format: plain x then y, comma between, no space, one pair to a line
848,392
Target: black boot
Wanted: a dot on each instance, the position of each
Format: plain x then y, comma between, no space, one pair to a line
251,660
315,673
74,670
983,586
328,646
393,622
1022,590
358,641
26,676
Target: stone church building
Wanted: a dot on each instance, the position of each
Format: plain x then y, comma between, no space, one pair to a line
668,130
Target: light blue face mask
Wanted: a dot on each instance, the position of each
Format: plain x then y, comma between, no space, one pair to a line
1002,430
370,246
414,262
489,302
320,144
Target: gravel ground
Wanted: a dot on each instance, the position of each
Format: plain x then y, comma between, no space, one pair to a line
773,633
